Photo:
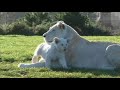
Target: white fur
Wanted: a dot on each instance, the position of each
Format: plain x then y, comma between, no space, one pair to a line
113,55
50,52
82,53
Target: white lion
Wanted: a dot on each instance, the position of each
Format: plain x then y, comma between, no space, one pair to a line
82,53
51,52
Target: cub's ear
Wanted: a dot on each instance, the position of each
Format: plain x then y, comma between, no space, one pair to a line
61,24
56,40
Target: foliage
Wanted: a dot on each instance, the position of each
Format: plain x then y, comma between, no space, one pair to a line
4,29
37,23
20,28
82,23
42,28
35,18
1,31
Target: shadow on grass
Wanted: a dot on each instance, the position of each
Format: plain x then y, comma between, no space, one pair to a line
96,72
11,60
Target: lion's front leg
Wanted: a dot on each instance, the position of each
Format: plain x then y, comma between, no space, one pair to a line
35,59
63,62
48,62
29,65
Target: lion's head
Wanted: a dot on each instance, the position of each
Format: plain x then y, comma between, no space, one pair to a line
57,30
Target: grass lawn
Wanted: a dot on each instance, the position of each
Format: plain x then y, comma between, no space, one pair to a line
15,49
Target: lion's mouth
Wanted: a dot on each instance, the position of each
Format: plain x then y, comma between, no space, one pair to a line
49,41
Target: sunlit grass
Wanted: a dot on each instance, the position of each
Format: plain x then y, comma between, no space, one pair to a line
15,49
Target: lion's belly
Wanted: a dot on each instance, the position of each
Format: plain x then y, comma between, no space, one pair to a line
89,57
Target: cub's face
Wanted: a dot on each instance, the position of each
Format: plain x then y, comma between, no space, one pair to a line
61,43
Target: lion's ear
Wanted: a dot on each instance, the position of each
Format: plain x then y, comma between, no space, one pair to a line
61,24
56,40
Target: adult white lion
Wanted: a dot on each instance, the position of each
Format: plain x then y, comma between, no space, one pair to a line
82,53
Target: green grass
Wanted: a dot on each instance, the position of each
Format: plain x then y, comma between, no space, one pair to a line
15,49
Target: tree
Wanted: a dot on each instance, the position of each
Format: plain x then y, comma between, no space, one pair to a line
81,22
36,18
74,19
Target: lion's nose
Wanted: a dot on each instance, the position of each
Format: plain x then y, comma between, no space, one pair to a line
44,35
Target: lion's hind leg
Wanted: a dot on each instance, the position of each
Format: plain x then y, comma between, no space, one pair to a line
113,55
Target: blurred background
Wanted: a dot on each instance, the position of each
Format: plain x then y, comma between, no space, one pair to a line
37,23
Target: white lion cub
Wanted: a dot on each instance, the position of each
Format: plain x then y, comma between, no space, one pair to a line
54,51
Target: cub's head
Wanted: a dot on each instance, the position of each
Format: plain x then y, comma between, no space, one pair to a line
61,43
